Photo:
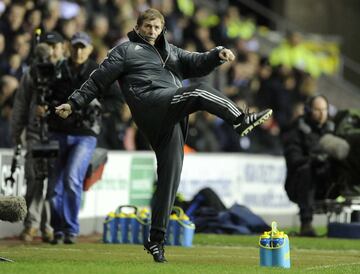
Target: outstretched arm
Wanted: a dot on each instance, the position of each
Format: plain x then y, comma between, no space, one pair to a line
99,81
195,64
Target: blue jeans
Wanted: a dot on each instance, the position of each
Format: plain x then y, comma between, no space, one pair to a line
68,176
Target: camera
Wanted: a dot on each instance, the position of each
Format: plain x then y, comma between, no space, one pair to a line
43,74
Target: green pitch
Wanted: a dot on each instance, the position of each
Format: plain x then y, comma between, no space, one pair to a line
211,254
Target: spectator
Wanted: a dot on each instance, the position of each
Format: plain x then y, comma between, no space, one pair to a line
32,20
8,86
285,98
203,39
309,167
12,24
76,136
51,15
3,61
117,133
99,32
21,46
68,28
293,54
264,93
348,127
235,26
265,139
81,19
14,67
201,133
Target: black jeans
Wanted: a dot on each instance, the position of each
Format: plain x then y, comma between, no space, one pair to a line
168,142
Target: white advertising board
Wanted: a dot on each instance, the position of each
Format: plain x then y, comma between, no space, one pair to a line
253,180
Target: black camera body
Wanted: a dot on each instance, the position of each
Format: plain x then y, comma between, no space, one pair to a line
44,73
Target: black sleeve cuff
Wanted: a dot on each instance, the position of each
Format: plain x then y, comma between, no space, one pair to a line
217,50
73,105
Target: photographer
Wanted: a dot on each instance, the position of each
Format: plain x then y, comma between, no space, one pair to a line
77,139
26,115
310,172
49,82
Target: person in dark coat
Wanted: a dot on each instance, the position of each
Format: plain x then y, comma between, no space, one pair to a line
309,175
27,116
150,72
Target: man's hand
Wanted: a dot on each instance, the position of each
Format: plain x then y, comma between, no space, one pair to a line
226,55
63,110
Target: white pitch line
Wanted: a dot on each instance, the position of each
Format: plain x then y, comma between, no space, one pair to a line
74,250
330,266
212,256
326,250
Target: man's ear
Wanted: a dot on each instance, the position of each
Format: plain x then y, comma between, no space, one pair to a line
136,27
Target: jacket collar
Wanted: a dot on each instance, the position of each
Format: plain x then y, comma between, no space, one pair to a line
161,43
307,126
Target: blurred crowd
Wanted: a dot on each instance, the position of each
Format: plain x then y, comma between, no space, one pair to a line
282,81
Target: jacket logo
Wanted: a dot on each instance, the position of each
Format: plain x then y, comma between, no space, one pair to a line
137,47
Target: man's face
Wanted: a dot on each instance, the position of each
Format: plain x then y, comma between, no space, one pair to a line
150,30
80,53
16,16
56,52
319,110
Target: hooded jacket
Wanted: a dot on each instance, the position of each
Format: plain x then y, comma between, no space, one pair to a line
148,75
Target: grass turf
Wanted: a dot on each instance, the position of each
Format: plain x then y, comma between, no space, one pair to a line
210,254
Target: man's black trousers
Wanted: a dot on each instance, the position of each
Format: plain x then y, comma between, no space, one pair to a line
168,138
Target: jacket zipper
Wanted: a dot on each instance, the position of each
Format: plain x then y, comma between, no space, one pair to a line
174,79
162,61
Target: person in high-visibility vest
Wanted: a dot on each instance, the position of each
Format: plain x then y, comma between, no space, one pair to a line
293,54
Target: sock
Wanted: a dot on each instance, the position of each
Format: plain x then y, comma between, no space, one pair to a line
156,235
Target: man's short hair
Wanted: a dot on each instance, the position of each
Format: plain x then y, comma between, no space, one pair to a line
150,14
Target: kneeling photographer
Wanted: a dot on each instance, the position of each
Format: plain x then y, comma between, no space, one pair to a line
312,152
